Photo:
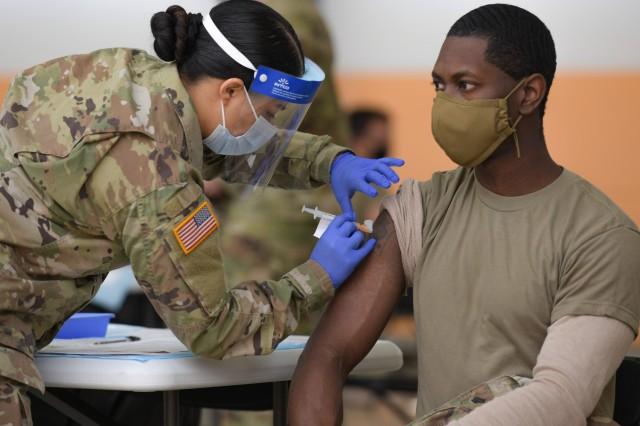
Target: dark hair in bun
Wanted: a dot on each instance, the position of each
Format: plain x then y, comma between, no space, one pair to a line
259,32
174,31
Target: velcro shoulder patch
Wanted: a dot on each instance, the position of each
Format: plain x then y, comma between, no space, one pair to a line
196,228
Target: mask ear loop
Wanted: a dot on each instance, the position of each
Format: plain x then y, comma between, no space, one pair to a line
253,110
252,157
515,136
515,123
224,122
517,86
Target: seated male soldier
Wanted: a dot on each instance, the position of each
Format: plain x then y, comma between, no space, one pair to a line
526,278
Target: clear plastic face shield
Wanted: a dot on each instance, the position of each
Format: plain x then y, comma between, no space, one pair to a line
254,137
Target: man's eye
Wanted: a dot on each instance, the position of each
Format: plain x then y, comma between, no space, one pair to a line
437,85
465,86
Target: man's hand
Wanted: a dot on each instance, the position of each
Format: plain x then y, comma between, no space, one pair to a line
348,330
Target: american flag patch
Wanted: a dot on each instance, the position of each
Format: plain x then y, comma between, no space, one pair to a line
195,228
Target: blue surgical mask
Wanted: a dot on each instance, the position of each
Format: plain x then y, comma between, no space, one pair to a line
222,142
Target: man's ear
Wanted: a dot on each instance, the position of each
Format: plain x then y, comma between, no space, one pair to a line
229,88
535,88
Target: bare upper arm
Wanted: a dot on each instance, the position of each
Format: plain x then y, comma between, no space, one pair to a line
361,308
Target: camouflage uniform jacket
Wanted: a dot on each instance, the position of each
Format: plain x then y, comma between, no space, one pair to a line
101,162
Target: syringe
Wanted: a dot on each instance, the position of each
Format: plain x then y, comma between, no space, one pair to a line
326,218
317,213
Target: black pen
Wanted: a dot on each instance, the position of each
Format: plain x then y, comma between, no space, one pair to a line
122,340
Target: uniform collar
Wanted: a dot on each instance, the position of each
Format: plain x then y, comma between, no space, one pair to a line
510,204
186,113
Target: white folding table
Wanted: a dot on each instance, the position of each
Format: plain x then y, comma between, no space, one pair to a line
170,373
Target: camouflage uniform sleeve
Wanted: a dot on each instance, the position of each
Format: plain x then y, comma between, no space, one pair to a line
306,164
188,290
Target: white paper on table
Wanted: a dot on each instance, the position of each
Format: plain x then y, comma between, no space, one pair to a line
152,341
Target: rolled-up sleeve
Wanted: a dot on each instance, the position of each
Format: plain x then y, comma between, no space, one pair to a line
601,277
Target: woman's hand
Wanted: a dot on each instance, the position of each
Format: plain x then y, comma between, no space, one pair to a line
350,173
340,249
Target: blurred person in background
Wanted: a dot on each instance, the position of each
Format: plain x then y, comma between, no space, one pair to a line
370,133
370,138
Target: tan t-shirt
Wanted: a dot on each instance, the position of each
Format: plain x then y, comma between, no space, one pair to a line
491,273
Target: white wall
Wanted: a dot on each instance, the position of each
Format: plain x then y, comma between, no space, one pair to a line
369,35
405,35
33,31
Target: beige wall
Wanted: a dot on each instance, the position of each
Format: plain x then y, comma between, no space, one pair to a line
592,126
4,83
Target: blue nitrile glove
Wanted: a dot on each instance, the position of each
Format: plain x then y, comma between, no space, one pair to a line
340,249
350,173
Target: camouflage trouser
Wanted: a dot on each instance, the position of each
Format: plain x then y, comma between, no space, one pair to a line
468,401
15,408
31,311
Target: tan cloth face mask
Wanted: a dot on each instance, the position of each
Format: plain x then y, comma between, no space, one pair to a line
470,131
